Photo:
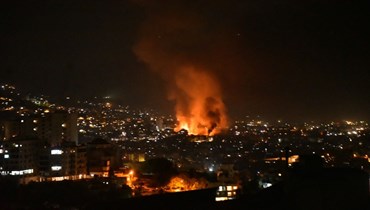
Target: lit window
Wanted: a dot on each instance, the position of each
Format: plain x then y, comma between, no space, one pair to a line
6,156
56,152
221,198
221,188
56,168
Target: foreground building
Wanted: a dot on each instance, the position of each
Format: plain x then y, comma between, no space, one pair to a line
30,159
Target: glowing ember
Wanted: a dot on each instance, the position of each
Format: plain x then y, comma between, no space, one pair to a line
184,183
199,106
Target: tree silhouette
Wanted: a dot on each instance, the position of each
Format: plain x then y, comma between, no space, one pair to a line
161,170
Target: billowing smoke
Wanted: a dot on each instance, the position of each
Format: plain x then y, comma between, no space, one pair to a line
177,42
199,106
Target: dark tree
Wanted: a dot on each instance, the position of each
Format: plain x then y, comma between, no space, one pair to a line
161,170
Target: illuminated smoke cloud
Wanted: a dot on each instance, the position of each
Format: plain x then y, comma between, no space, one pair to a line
176,45
199,106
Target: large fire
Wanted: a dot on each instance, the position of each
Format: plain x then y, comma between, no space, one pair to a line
199,106
178,47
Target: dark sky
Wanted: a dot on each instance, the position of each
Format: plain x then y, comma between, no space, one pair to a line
288,59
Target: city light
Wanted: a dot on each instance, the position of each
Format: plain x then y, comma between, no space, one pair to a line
56,152
56,168
117,140
17,173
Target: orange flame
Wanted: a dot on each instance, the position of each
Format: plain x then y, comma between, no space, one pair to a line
177,46
199,106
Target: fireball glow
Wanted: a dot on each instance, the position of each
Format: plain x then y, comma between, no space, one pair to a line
175,46
199,106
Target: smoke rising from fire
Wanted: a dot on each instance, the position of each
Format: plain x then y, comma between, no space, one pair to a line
175,44
199,106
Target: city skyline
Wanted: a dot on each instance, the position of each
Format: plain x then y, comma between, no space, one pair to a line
286,60
112,153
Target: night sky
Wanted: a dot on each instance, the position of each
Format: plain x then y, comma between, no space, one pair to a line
287,59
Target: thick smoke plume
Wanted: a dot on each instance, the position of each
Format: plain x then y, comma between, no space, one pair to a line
176,44
199,106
